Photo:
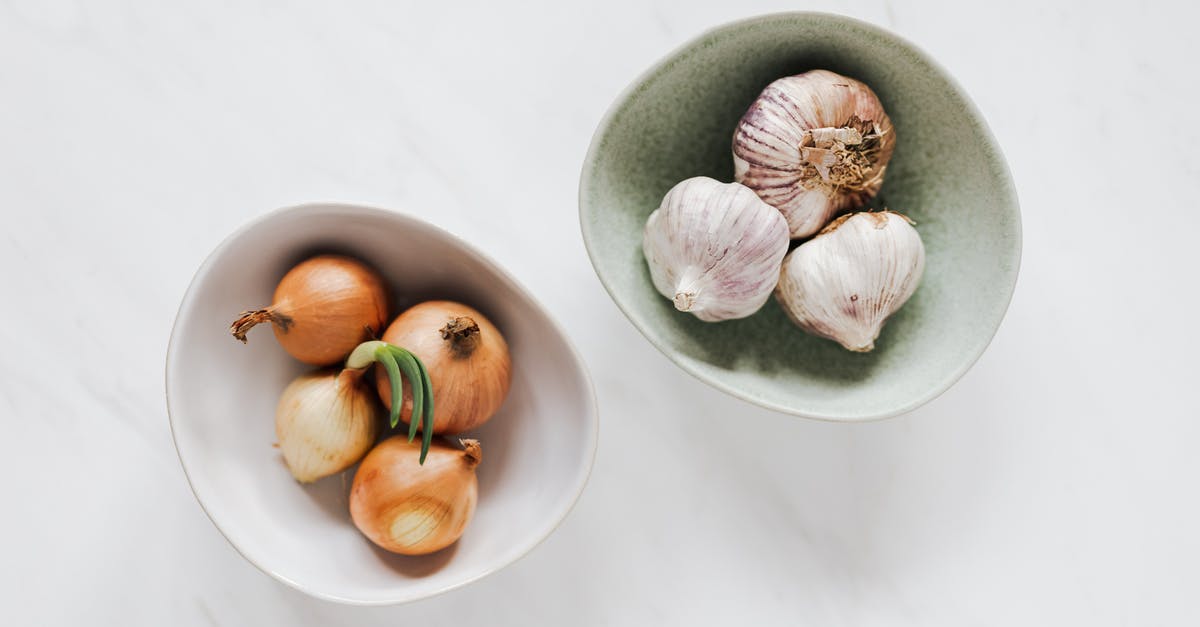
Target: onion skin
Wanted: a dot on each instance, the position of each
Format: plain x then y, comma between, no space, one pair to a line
470,376
325,422
322,309
415,509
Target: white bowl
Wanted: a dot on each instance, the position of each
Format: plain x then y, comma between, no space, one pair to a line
221,396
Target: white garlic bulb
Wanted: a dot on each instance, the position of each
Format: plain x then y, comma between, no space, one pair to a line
325,422
714,248
813,145
844,283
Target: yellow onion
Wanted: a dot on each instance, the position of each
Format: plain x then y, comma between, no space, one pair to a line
412,508
466,357
325,422
322,309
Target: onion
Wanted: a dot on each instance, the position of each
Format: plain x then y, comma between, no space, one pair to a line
322,309
466,357
326,421
414,509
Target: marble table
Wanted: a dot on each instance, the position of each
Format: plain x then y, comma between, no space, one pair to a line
1055,484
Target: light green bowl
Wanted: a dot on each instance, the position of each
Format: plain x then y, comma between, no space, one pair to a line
676,121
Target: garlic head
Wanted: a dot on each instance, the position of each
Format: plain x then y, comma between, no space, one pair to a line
714,248
813,145
844,283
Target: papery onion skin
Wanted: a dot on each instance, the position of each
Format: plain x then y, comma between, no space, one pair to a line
775,134
322,309
415,509
325,422
468,385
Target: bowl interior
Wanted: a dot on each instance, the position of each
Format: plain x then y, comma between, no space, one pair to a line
947,173
222,394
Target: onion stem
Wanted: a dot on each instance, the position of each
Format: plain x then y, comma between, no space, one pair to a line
401,364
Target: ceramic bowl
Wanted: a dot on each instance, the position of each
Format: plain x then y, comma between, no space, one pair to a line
677,120
221,395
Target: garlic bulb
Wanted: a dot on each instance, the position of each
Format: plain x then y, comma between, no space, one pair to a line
813,145
325,422
844,283
714,248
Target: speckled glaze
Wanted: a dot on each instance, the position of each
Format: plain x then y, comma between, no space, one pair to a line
947,174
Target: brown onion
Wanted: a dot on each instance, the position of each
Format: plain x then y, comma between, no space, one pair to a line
410,508
466,357
322,309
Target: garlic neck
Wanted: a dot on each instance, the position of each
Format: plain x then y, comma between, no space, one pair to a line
860,338
687,290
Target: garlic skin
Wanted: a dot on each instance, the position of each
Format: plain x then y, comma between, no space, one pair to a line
714,249
845,283
325,422
814,145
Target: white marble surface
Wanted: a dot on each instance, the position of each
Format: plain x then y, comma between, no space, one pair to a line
1055,484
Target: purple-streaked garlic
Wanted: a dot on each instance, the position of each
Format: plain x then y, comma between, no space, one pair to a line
715,248
844,283
813,145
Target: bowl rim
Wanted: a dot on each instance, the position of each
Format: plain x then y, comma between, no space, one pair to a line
591,411
996,155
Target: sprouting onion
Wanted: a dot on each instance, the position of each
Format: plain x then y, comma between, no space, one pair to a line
400,364
467,356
